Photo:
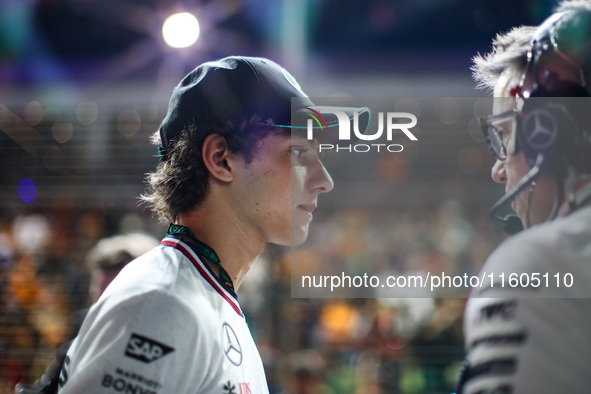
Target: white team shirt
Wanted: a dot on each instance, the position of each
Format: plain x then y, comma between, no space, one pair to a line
535,340
165,325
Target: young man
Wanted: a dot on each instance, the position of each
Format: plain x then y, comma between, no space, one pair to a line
531,334
232,178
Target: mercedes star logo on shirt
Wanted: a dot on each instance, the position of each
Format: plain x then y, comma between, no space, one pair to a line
232,347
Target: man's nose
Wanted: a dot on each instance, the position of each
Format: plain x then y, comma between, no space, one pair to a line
498,172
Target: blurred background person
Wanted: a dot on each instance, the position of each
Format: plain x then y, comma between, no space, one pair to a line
302,372
104,261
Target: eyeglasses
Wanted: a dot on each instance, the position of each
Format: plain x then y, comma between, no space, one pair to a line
496,129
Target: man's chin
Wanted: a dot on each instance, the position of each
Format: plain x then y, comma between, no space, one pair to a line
295,238
298,236
521,212
516,208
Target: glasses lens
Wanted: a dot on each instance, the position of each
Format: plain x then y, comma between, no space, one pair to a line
495,143
497,129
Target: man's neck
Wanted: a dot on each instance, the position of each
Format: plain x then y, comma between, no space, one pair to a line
236,249
582,194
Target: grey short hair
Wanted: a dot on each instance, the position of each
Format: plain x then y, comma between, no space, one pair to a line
509,52
573,5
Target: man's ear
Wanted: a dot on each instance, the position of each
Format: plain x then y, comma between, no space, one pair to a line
215,154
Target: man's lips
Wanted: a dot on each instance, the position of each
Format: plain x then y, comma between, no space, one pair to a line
308,207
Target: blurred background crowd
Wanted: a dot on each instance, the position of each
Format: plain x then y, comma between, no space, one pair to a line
84,83
309,345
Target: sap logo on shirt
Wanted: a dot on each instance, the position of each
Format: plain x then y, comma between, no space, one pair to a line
145,349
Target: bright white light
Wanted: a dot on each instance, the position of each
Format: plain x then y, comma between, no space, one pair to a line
180,30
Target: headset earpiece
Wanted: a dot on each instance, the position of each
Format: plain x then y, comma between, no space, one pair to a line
556,127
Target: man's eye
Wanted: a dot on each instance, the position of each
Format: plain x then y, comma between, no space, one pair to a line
298,151
504,135
499,132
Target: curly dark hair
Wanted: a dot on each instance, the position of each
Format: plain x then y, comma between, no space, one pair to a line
180,182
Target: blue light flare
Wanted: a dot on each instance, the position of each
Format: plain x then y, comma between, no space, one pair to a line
27,191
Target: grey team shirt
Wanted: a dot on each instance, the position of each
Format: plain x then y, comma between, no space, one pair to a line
535,340
164,325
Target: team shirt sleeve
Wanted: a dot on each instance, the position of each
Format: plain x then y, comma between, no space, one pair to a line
527,339
139,345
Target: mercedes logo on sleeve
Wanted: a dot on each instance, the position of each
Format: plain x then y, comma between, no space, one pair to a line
540,129
232,347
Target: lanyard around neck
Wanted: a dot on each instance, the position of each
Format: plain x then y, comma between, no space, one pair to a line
201,249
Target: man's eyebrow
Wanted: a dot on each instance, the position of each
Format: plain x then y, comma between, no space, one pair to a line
306,143
300,139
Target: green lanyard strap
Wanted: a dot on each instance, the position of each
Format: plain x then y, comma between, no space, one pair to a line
203,250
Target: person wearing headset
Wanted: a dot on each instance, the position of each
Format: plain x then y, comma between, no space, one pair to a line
529,329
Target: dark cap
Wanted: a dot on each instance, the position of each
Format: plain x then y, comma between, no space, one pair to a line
233,89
